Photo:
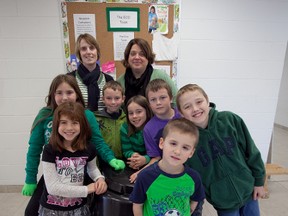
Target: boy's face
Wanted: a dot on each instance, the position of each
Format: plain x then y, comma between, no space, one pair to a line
160,102
195,107
112,100
177,147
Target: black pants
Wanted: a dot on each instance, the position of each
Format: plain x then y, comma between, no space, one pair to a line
33,204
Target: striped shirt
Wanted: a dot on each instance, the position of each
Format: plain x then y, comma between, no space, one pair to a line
101,82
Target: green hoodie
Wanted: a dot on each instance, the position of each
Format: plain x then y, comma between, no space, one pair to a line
110,129
40,135
228,161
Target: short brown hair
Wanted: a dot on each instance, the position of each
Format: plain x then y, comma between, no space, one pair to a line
91,41
115,85
157,84
144,46
74,111
189,88
184,126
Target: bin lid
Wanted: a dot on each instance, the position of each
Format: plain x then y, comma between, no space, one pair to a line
118,180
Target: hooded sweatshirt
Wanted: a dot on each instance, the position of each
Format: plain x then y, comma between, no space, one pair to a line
228,161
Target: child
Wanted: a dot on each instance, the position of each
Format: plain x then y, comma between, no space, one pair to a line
65,160
112,117
168,187
132,141
160,97
226,157
62,89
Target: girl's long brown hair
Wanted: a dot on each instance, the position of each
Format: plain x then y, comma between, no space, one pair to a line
51,104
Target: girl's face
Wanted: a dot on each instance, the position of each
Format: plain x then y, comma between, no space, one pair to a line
65,93
88,54
137,61
136,114
68,129
195,107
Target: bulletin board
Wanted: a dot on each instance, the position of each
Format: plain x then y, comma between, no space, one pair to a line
104,37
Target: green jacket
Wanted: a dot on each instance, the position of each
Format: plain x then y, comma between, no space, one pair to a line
228,161
40,135
156,74
133,143
110,129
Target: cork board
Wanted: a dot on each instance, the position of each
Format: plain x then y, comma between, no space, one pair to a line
105,38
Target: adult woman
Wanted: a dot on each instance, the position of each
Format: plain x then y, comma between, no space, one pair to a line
138,60
88,75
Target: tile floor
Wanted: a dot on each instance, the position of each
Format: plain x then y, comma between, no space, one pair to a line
13,204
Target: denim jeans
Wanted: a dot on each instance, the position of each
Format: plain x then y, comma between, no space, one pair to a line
251,208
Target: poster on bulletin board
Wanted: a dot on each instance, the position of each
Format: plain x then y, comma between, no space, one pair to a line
114,24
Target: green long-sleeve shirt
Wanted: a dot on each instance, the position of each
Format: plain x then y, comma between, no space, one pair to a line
40,136
133,143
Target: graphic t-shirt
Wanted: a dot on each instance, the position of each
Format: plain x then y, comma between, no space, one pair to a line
164,193
70,167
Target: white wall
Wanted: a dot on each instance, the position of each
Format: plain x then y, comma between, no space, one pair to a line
281,117
30,56
233,49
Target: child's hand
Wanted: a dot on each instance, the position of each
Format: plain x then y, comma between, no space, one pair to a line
100,186
91,188
136,161
28,189
259,192
117,164
133,177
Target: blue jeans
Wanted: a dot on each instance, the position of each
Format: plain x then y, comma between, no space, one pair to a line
251,208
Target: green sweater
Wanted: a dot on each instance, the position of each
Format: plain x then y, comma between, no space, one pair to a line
110,129
228,161
40,136
156,74
133,143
